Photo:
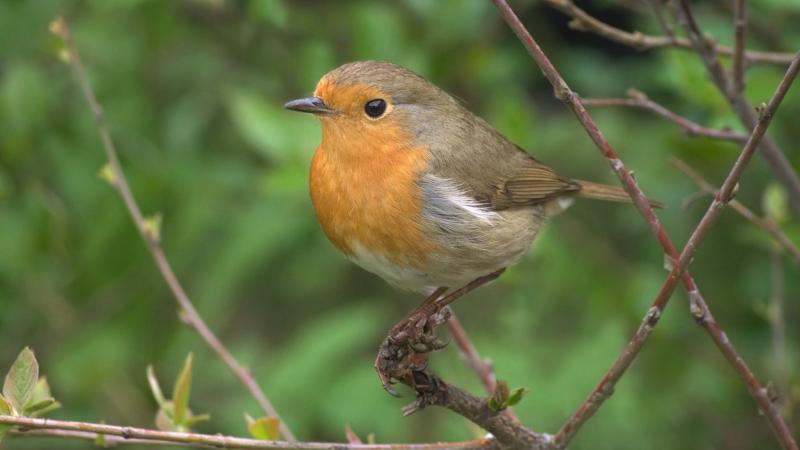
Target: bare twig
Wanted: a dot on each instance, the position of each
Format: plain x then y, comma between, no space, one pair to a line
658,11
637,99
118,180
470,354
764,223
114,434
740,27
777,321
605,387
481,367
582,21
770,150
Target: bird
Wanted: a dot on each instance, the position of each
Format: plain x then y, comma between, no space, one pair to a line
413,187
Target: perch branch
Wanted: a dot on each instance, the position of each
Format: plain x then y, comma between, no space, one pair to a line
120,184
582,21
605,387
637,99
114,434
767,225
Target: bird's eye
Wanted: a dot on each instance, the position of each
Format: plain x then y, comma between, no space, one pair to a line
375,108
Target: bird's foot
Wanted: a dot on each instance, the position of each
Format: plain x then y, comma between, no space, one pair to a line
403,355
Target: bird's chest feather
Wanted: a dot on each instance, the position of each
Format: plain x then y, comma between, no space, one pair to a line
368,203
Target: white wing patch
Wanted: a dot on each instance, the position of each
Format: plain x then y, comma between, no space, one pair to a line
446,202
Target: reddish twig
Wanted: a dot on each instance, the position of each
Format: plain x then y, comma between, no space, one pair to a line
582,21
637,99
481,367
740,27
764,223
605,387
118,180
772,153
114,434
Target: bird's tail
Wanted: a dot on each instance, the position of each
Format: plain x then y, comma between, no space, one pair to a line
605,192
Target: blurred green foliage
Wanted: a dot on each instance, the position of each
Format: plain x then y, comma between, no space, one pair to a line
193,92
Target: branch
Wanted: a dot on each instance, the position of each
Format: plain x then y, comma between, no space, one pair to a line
637,99
767,225
151,238
606,385
582,21
771,152
508,431
114,434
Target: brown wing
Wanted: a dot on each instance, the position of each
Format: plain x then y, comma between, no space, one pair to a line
535,183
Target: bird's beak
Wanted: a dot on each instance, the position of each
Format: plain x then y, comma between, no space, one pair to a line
313,105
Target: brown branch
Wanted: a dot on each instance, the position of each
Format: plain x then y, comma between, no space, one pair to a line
771,152
605,387
118,180
582,21
740,27
767,225
637,99
114,434
510,434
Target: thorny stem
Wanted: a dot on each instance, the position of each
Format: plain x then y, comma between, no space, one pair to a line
605,387
764,223
114,434
120,184
582,21
637,99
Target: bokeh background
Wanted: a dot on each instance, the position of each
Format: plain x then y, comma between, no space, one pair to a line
193,92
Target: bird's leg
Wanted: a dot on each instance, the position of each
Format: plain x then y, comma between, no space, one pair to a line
405,350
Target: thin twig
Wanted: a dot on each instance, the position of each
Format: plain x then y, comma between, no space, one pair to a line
740,28
481,367
764,223
658,11
470,354
772,153
582,21
151,239
605,387
114,434
637,99
777,321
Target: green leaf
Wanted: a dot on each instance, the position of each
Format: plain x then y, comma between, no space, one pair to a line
21,379
264,428
155,388
6,408
192,420
41,407
180,395
516,395
41,391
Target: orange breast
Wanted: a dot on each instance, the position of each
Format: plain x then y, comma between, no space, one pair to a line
363,183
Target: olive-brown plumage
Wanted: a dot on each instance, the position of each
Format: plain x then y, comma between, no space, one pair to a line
412,186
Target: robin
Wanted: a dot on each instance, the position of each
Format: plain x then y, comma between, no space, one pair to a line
413,187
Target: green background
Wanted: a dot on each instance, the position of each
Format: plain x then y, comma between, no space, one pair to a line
193,92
